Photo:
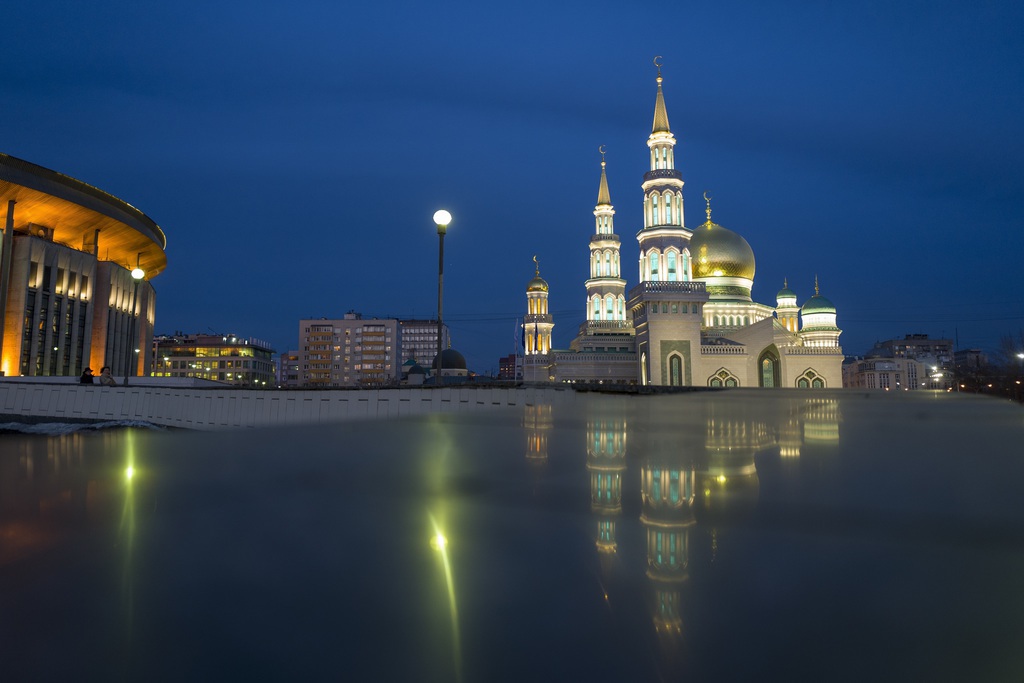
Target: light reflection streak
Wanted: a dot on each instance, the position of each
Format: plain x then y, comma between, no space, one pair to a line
440,543
126,533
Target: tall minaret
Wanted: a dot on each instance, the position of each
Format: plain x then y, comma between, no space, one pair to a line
667,306
538,323
606,290
664,256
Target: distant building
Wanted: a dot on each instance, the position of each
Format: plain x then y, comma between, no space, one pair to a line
349,352
68,299
510,367
419,340
970,359
288,370
917,346
908,364
228,358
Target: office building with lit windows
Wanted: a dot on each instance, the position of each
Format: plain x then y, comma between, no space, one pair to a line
419,341
349,352
75,271
227,358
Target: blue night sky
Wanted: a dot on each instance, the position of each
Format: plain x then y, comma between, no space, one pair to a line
294,154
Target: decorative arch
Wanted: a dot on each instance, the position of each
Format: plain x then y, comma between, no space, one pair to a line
723,378
810,379
675,370
769,368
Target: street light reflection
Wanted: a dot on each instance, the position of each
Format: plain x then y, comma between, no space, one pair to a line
439,542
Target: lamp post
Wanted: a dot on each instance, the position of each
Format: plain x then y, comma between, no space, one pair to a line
137,275
441,218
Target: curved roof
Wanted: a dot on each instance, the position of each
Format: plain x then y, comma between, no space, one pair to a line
716,251
75,210
452,359
818,304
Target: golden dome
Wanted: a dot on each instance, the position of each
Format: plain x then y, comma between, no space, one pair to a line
537,284
718,252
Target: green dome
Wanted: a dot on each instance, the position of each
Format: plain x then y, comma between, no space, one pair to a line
785,293
817,304
719,252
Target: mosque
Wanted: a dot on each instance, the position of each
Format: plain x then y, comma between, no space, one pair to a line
690,321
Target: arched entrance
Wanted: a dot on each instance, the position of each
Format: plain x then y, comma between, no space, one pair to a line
768,370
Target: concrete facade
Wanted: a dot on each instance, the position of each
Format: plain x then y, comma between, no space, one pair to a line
212,409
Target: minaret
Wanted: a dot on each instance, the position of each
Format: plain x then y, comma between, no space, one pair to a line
786,309
667,306
606,290
818,321
664,256
538,323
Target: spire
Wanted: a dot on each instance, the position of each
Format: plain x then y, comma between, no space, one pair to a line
816,292
707,211
536,265
660,113
785,283
603,195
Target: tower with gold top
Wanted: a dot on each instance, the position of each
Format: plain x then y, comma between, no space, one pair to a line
691,320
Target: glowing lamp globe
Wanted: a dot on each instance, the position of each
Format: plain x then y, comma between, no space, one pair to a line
442,217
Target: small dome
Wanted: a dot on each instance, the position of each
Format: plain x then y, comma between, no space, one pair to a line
786,293
417,369
719,252
537,284
451,359
817,304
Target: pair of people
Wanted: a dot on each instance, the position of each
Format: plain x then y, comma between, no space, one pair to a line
106,379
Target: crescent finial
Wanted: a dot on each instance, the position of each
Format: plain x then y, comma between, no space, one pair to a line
708,209
536,264
602,151
658,64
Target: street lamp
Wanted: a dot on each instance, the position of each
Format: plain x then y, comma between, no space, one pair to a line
137,275
441,218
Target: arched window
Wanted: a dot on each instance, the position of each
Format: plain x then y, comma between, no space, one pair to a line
668,208
675,370
654,209
610,307
802,383
818,383
723,378
686,266
597,308
671,258
654,265
768,364
607,264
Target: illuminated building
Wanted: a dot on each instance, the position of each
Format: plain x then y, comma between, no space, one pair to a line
243,362
419,340
288,370
349,352
69,298
912,363
691,320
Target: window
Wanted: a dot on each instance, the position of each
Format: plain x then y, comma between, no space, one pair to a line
671,258
654,265
675,370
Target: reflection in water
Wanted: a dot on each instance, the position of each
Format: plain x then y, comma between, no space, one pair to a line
537,425
126,534
689,482
606,461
